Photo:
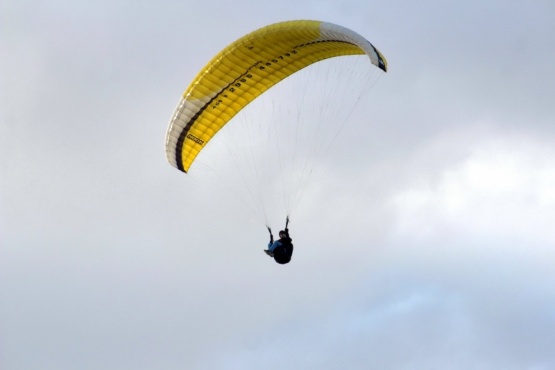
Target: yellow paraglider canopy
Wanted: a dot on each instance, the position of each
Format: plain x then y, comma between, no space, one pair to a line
246,69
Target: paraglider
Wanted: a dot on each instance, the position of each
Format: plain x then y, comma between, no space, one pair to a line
282,249
244,71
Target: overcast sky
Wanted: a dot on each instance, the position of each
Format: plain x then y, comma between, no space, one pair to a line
428,245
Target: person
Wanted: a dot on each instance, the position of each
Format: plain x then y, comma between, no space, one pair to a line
282,249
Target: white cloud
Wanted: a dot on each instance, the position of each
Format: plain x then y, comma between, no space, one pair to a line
504,188
112,259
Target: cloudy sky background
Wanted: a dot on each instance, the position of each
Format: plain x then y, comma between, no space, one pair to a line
430,247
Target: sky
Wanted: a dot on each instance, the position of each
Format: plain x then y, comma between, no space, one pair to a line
426,244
